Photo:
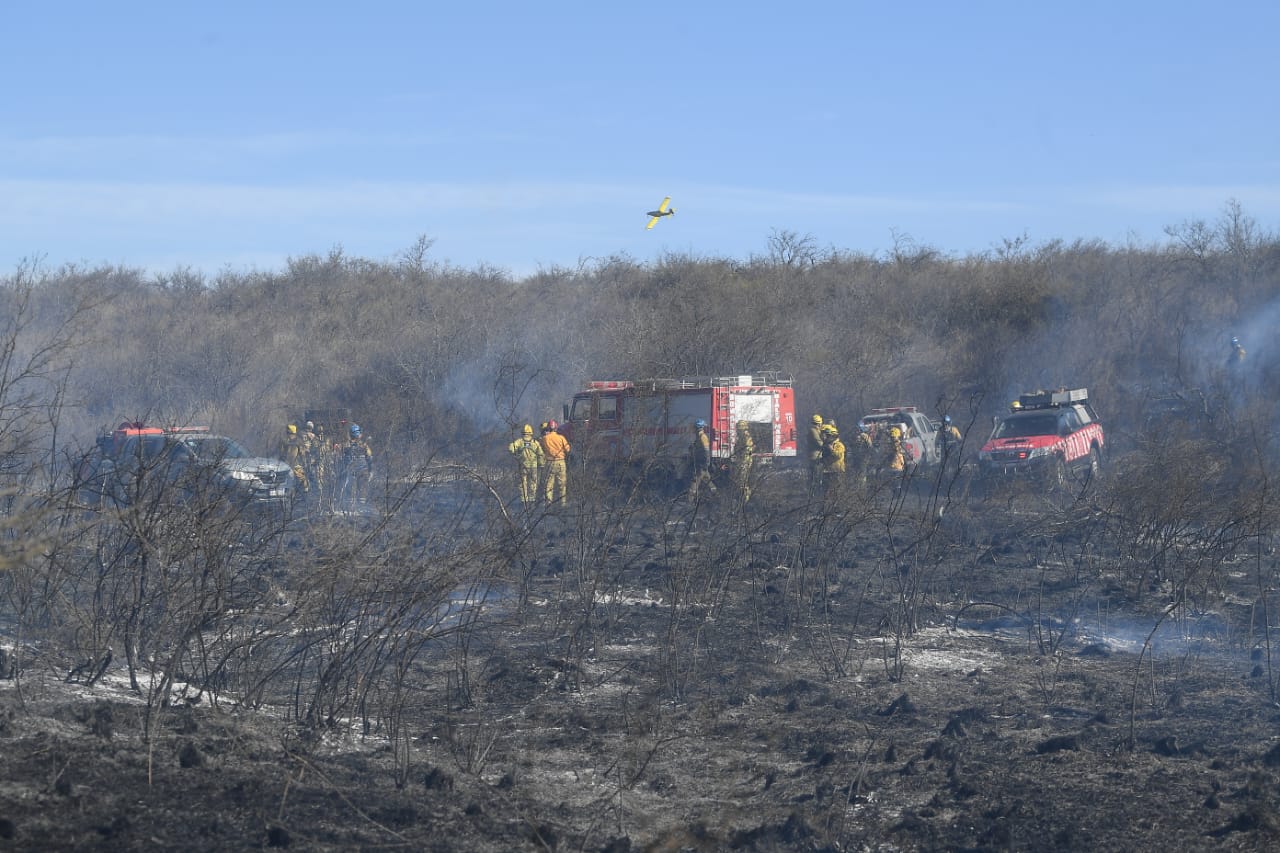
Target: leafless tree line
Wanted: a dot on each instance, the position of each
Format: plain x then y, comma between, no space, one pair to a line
416,347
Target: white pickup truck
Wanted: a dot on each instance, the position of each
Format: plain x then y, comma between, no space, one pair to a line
919,438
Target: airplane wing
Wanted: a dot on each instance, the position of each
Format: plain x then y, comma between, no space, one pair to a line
661,211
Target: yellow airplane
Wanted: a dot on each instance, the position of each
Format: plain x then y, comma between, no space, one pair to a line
662,211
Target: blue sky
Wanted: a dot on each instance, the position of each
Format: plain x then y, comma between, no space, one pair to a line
527,136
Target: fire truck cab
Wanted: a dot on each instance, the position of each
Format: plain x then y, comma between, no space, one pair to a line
650,423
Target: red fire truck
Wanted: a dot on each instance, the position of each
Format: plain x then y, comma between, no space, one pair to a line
648,424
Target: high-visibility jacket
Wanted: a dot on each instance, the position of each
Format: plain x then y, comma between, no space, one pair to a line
528,451
700,450
947,438
555,446
833,456
814,444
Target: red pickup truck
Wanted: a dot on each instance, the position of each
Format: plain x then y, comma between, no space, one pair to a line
1048,435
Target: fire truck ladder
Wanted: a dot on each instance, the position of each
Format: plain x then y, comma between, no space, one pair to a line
768,377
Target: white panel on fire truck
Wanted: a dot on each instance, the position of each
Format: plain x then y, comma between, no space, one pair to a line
757,408
745,380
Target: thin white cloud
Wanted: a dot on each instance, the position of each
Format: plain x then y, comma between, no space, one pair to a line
24,201
27,201
17,153
764,201
1256,199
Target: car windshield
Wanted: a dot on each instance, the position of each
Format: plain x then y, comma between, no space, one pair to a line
1021,426
151,446
211,448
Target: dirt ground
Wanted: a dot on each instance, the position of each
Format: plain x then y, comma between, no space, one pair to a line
776,681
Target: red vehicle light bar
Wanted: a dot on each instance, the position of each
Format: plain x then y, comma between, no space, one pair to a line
136,428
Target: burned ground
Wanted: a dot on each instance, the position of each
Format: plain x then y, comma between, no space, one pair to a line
880,670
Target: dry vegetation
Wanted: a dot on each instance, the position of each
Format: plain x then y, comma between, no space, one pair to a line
909,666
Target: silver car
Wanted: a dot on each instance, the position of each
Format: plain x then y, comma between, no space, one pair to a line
186,465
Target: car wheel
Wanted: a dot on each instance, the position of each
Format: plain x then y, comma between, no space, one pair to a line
1058,479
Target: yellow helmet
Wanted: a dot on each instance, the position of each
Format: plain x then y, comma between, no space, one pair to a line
742,425
528,429
293,429
895,432
817,419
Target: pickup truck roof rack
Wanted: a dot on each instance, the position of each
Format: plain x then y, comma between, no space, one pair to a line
1053,399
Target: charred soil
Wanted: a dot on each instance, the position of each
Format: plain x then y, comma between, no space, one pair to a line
860,672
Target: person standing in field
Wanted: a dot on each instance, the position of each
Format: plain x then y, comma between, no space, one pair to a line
556,449
948,442
291,450
700,460
357,468
833,458
813,448
530,458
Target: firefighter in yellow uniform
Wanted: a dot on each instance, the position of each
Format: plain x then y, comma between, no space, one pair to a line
895,455
744,449
312,458
833,459
833,451
556,448
291,451
530,456
862,450
1236,357
700,460
325,473
948,442
813,446
357,468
